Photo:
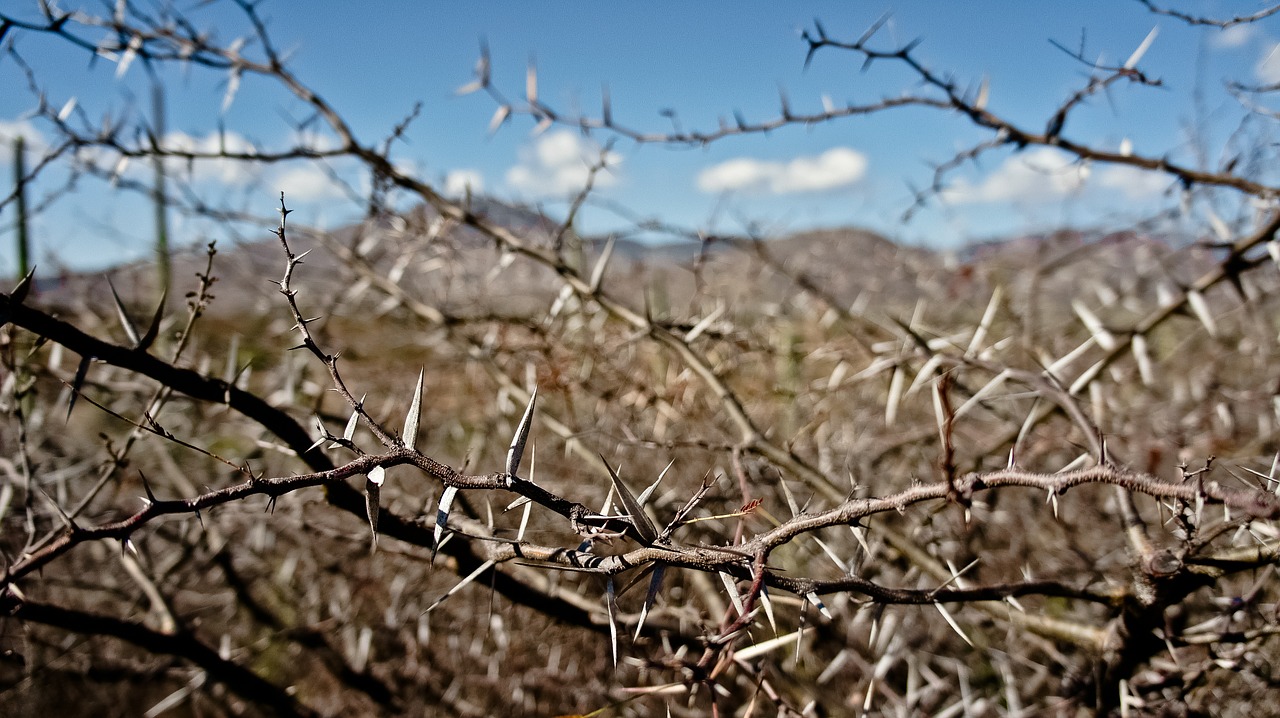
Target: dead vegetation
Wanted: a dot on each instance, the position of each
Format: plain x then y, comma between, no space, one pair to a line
734,478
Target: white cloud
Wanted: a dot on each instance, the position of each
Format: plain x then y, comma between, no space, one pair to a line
837,167
225,171
558,163
307,182
1268,69
1132,182
458,182
1031,176
1046,174
311,139
10,130
1232,37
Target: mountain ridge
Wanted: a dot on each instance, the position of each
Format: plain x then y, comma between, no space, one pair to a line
847,262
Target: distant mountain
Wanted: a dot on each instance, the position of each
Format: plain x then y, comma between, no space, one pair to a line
458,268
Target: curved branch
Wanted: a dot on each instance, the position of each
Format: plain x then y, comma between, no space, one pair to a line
238,679
1211,21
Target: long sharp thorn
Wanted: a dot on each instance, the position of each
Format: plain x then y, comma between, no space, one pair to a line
129,330
1143,358
20,292
373,492
66,519
528,506
813,598
153,330
768,608
639,519
522,501
984,324
875,27
643,499
946,616
705,323
984,94
731,588
442,517
146,486
411,420
597,272
1136,57
315,444
1096,328
350,429
655,583
791,499
1200,308
324,434
516,452
77,385
461,584
611,602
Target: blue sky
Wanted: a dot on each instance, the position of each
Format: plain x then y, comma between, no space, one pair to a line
374,61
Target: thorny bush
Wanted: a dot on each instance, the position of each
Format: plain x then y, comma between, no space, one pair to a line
728,480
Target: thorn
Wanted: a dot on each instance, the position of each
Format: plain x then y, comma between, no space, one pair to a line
373,491
123,316
315,444
871,31
77,385
1053,499
813,598
146,486
412,419
516,450
442,518
655,584
611,602
597,274
643,498
153,330
67,521
639,520
20,292
946,615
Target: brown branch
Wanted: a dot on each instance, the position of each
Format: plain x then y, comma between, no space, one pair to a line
238,679
1211,21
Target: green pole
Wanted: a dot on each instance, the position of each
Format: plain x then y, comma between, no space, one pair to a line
20,185
158,197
